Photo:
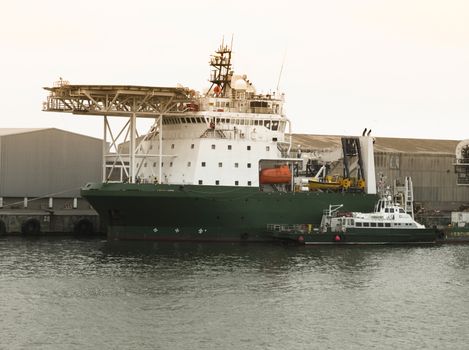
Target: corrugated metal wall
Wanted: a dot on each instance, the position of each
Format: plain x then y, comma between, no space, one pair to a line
432,175
48,161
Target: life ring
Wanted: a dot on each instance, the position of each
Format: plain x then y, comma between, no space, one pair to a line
3,228
83,227
31,227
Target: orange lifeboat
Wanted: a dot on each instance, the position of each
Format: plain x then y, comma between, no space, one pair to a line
277,175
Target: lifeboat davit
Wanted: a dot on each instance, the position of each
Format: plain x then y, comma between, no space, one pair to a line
277,175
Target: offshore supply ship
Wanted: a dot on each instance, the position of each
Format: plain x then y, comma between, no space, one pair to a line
215,166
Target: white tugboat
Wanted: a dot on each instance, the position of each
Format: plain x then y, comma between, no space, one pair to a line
388,224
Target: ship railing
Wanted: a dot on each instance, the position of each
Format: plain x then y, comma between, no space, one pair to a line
304,228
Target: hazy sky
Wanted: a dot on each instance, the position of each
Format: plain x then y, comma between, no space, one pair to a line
400,67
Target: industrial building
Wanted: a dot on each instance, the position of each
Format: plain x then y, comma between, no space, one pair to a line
430,164
41,172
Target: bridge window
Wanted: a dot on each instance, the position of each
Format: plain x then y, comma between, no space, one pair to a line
248,148
188,164
373,224
236,165
203,164
249,165
213,146
267,148
366,224
358,224
192,146
220,164
229,147
380,224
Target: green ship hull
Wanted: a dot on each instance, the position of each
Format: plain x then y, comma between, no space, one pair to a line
208,213
361,236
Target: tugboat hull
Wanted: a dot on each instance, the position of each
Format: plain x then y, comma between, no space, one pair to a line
357,236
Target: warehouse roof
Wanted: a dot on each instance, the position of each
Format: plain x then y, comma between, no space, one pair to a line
17,131
382,144
14,131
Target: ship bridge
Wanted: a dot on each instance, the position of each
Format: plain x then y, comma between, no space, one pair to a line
124,101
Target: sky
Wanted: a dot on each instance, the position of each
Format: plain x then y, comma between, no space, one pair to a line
399,67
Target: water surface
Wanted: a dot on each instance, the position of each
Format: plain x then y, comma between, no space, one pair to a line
65,293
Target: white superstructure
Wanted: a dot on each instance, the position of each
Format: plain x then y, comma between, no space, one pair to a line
221,137
387,215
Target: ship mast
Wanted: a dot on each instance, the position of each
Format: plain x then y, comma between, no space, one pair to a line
220,75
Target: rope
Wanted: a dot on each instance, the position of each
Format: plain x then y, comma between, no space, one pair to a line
43,196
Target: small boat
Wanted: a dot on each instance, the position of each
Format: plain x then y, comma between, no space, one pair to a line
388,224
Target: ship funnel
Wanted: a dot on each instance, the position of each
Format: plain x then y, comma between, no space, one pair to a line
368,159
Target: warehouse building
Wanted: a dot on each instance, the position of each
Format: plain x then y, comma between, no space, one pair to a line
41,172
430,164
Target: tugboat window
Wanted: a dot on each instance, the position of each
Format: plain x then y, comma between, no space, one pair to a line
217,182
387,224
366,224
359,224
373,224
236,183
220,165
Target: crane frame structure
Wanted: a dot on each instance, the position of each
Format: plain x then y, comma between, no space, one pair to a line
125,101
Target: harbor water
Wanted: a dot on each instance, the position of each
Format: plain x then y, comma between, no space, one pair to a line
64,293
